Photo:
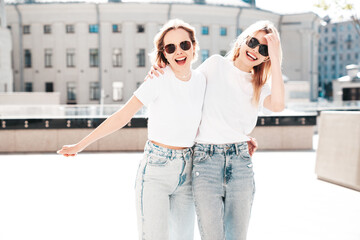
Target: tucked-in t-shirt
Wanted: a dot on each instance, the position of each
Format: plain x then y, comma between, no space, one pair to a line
229,114
174,107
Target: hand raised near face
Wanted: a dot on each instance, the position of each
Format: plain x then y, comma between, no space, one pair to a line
274,46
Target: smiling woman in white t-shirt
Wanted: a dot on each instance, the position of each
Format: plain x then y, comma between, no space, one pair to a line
237,89
164,202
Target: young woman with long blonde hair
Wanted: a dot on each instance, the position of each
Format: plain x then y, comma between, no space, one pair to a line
164,201
238,87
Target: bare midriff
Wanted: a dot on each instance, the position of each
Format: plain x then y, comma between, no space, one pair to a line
167,146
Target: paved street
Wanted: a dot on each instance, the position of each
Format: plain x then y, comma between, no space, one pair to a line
50,197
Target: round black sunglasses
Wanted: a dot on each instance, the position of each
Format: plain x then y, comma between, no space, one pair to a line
253,43
171,48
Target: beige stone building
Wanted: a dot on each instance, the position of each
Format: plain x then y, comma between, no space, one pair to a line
79,48
6,77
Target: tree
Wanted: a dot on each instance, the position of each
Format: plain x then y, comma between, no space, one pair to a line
340,7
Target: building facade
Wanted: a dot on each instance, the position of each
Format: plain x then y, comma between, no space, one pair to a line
6,77
339,46
78,49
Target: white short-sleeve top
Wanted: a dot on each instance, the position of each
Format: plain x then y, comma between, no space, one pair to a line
228,113
174,107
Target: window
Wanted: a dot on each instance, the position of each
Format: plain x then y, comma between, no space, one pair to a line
71,91
326,39
27,54
356,56
141,58
348,56
349,27
48,58
116,28
325,48
26,29
205,30
223,52
340,57
334,29
333,57
94,91
70,28
93,28
326,30
140,28
49,87
94,57
204,54
47,29
223,31
325,58
70,57
9,27
28,87
117,91
117,57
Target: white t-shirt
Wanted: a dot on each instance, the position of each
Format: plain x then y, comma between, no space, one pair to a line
228,112
174,107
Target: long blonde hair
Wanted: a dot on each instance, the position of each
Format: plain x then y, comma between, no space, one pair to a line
261,72
157,55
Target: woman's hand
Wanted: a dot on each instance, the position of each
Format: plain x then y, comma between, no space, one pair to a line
155,70
274,46
70,150
252,145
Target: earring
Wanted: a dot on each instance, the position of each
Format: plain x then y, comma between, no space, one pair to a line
237,53
267,59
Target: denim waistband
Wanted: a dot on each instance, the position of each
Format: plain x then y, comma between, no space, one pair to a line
151,148
221,148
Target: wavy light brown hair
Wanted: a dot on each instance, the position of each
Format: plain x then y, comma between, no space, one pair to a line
262,72
157,55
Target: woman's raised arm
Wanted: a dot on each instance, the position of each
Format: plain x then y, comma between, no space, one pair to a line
116,121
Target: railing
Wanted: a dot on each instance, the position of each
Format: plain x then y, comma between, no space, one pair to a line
88,116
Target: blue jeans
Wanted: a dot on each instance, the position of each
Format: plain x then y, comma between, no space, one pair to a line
164,201
223,188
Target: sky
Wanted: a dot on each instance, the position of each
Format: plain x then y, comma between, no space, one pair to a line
287,6
277,6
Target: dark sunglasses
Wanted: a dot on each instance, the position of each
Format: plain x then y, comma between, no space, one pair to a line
170,48
253,43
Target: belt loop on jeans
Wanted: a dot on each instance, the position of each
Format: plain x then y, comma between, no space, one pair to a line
237,149
211,150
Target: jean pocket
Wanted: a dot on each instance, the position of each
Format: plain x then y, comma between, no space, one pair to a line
199,157
245,154
155,160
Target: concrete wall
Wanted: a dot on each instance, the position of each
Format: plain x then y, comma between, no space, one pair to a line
284,137
30,98
133,139
27,141
338,153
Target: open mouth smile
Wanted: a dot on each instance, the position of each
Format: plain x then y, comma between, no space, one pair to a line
181,61
252,57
